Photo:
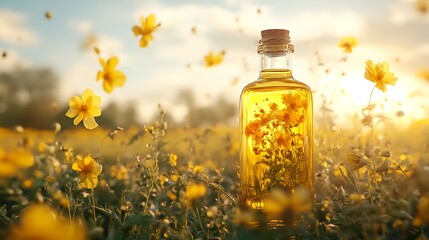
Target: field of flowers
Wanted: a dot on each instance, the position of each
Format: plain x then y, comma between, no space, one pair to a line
153,181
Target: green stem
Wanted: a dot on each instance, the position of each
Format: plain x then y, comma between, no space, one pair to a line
68,207
370,96
199,220
93,206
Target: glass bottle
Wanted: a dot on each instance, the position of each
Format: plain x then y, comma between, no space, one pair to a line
276,131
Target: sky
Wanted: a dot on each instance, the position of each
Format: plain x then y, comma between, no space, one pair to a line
387,30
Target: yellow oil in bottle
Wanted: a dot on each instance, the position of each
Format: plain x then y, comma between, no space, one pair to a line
276,144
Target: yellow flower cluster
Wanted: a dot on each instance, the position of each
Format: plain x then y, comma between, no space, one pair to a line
291,115
41,222
11,162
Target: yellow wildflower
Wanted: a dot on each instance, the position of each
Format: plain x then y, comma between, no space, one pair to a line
422,6
14,160
356,197
195,191
379,74
174,177
422,217
212,59
279,203
111,77
27,183
62,200
121,172
424,74
252,128
171,195
85,108
290,118
42,147
88,171
172,159
283,139
348,43
146,28
294,102
68,156
42,222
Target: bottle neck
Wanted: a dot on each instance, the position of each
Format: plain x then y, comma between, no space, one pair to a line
276,61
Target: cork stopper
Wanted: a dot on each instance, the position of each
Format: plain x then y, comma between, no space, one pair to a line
275,36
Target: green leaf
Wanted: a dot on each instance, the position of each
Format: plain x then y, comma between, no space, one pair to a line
3,210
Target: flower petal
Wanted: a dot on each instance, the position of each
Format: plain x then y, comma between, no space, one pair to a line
87,93
96,169
100,75
89,122
381,86
72,112
75,102
78,119
88,181
107,87
76,167
94,111
88,160
143,42
103,63
96,100
119,79
112,62
137,30
150,21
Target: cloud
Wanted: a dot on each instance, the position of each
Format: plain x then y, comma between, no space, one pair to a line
405,11
13,29
81,26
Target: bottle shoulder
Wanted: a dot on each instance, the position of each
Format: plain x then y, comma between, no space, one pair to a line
276,83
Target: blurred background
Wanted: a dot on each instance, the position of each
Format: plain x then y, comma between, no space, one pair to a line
47,57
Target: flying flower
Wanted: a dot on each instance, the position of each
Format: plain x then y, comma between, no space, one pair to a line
41,222
423,74
48,15
422,6
379,74
88,170
111,77
146,29
85,108
212,59
348,43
